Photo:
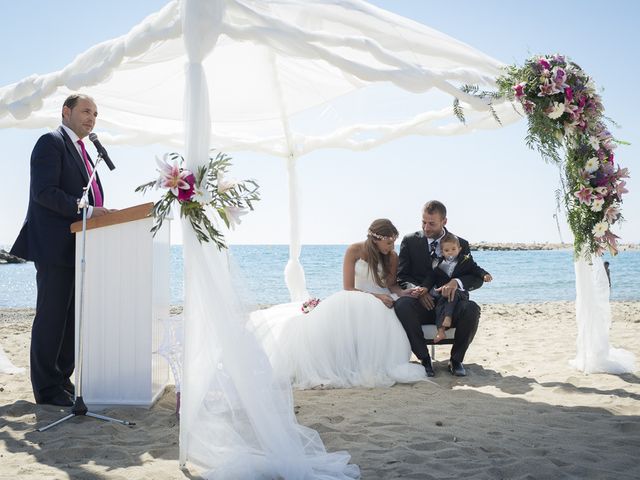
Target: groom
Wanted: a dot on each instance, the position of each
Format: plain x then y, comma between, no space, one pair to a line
419,252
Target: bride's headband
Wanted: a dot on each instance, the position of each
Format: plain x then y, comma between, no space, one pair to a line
377,236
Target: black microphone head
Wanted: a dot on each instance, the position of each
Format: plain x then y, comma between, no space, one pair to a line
93,137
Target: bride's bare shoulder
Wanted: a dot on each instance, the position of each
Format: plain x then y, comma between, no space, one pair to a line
355,251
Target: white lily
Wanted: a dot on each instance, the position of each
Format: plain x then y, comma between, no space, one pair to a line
234,214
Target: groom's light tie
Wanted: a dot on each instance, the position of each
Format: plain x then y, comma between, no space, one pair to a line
97,196
433,247
434,254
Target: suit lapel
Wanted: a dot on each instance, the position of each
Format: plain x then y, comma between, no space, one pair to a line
73,151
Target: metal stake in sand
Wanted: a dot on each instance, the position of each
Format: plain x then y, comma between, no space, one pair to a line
79,408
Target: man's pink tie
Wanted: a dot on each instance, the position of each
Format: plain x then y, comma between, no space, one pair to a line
97,196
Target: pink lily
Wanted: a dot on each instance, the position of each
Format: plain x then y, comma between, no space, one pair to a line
172,177
611,214
620,188
584,195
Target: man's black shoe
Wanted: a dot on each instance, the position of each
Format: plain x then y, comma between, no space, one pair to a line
69,387
457,369
60,399
426,363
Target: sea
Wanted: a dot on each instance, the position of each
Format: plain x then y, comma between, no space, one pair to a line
519,276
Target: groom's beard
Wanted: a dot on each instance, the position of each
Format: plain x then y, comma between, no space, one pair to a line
436,236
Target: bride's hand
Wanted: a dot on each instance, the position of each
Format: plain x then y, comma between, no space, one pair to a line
386,299
414,292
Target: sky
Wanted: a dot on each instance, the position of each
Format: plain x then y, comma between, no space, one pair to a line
495,188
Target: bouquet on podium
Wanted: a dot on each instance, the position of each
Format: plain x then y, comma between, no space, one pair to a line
201,193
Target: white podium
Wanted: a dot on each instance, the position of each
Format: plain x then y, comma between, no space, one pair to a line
126,297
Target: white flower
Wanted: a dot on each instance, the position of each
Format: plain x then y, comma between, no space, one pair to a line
600,229
556,110
225,185
596,205
202,196
602,190
233,215
592,165
595,144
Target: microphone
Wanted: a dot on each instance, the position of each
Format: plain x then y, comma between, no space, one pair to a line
101,150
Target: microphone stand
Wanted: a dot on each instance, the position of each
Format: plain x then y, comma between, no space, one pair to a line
79,407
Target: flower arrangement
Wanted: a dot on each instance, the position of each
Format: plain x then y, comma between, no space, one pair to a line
565,113
197,193
310,304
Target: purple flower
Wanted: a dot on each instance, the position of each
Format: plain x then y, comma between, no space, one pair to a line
186,193
544,64
559,77
568,94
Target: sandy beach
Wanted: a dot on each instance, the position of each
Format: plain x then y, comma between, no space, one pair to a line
521,413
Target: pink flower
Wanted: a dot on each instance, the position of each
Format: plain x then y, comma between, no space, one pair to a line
172,176
519,90
612,213
612,242
528,106
186,193
620,188
622,172
546,89
568,94
544,64
584,195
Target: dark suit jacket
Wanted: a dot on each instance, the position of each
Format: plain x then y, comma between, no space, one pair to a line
58,175
415,269
466,266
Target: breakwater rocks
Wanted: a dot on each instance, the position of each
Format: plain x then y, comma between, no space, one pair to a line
490,246
6,257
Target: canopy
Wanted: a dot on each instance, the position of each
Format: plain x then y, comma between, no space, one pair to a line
286,77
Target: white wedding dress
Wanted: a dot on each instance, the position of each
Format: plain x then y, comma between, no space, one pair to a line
351,339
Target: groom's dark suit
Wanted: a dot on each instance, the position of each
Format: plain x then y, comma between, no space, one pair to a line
58,176
415,269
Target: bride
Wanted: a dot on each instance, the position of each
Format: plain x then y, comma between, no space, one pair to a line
353,337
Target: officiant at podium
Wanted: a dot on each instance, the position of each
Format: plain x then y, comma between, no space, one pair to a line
60,169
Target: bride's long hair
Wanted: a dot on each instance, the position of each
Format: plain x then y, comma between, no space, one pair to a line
380,229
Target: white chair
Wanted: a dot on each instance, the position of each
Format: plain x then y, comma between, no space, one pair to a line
430,332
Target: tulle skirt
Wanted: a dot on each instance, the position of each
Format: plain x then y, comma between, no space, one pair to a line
351,339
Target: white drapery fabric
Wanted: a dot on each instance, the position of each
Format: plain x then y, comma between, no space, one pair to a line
237,419
593,317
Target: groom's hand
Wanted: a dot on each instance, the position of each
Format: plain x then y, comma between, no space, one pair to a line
427,301
448,290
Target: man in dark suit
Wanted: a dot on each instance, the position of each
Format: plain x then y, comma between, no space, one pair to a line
60,169
419,254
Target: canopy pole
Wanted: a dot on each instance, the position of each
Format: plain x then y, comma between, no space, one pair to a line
293,272
201,26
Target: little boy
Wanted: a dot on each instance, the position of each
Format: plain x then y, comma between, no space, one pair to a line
452,265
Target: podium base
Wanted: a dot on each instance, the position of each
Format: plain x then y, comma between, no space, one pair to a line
79,409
